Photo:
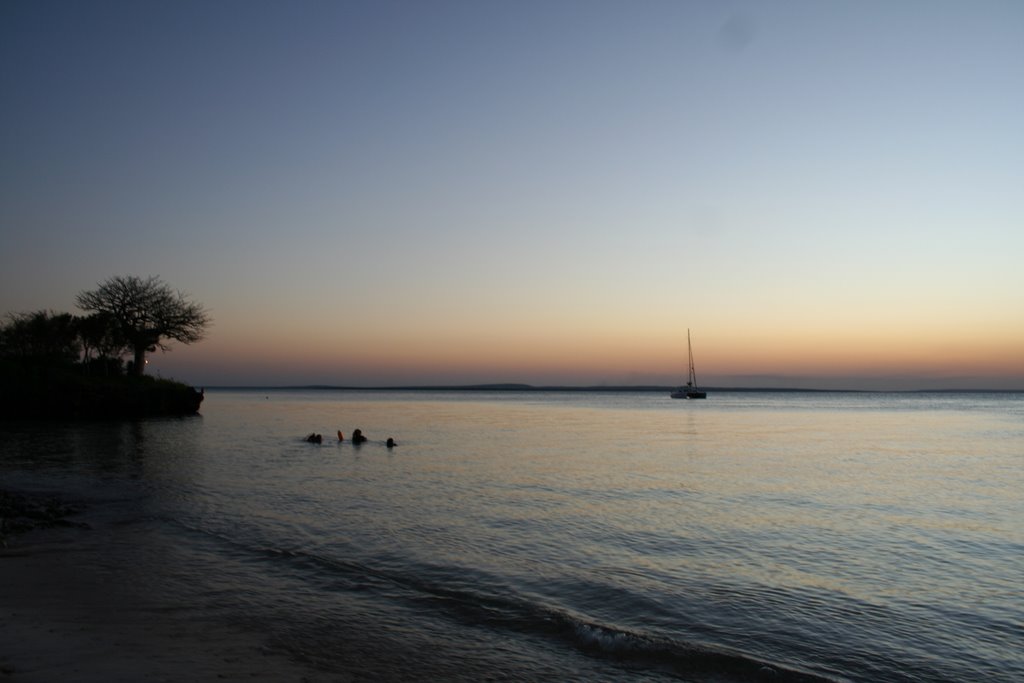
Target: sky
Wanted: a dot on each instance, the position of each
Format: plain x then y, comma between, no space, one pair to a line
826,194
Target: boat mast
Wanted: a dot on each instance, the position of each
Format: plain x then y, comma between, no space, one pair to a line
689,347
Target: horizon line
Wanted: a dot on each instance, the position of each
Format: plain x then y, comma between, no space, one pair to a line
514,386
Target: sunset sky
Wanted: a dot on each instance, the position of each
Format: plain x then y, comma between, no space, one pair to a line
828,194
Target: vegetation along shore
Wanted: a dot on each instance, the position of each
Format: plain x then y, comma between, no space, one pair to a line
59,365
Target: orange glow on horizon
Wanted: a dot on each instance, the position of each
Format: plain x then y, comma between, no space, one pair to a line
589,349
614,358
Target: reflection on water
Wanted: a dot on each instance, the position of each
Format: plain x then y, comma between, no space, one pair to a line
127,448
858,536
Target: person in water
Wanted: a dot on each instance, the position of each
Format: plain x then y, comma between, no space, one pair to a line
341,437
315,438
357,437
391,443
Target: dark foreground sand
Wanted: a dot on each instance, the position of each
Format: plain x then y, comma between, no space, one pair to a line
65,616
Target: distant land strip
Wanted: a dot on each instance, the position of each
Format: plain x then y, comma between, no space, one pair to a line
512,387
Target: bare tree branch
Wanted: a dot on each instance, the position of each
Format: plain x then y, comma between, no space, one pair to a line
148,311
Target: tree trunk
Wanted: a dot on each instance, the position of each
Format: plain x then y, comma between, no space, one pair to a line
140,360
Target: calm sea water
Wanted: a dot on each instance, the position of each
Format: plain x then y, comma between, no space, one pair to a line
573,536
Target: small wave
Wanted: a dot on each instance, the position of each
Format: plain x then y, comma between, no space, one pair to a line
475,598
677,656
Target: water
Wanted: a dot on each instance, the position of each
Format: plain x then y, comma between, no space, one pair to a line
573,536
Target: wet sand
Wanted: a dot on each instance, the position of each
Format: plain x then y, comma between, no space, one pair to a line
68,614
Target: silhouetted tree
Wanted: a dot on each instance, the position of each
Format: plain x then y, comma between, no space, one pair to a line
100,333
42,336
145,312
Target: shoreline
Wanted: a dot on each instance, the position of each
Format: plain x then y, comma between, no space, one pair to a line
70,612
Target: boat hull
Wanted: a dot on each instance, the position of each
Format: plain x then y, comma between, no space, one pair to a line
689,394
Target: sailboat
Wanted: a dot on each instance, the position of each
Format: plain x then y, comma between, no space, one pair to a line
690,390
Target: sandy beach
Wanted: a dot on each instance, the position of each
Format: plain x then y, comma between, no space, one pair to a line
70,614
